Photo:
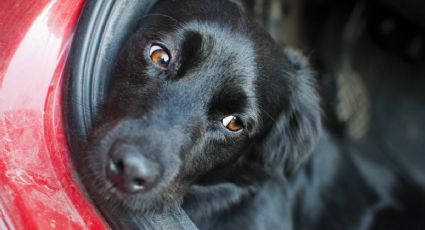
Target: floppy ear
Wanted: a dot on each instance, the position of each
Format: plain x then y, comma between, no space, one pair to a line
296,129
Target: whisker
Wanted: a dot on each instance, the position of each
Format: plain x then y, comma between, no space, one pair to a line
262,109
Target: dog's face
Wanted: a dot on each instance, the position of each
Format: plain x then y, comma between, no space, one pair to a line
197,88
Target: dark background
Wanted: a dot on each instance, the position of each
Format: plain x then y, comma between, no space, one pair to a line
369,57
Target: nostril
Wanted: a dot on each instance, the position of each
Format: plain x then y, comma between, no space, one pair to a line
116,167
131,171
120,166
128,176
139,183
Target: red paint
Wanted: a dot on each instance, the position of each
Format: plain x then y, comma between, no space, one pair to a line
37,188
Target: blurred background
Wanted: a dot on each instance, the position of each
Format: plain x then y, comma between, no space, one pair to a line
369,57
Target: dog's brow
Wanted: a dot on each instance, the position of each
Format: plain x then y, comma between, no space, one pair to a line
229,99
191,53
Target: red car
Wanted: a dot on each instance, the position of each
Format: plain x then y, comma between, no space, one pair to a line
38,190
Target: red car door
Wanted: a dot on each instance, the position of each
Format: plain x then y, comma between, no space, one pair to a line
38,190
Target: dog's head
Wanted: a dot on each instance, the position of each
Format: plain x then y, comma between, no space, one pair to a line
198,87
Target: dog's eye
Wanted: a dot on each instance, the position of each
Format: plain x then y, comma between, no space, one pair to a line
232,123
159,56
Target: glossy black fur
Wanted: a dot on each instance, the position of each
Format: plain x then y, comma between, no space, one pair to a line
223,64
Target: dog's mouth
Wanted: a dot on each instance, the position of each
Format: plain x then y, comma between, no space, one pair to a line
153,200
171,192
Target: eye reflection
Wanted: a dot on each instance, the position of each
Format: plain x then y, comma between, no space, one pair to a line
159,56
232,123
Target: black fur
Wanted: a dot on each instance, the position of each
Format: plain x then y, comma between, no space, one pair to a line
223,64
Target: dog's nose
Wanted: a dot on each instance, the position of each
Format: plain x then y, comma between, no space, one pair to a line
129,170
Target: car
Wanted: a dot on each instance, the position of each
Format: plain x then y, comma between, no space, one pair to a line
38,189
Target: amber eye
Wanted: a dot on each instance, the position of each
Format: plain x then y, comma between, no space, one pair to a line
232,123
159,56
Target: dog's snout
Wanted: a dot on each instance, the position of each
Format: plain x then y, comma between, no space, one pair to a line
129,170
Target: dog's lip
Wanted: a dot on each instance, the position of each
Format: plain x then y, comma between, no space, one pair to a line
146,191
198,187
210,184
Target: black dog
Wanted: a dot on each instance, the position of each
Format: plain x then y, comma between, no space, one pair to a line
207,111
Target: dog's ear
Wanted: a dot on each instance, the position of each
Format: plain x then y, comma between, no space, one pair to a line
297,126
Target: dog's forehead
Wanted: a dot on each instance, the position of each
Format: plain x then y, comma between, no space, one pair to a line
224,52
221,46
231,58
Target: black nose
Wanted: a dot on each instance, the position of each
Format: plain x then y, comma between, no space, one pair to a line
129,170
